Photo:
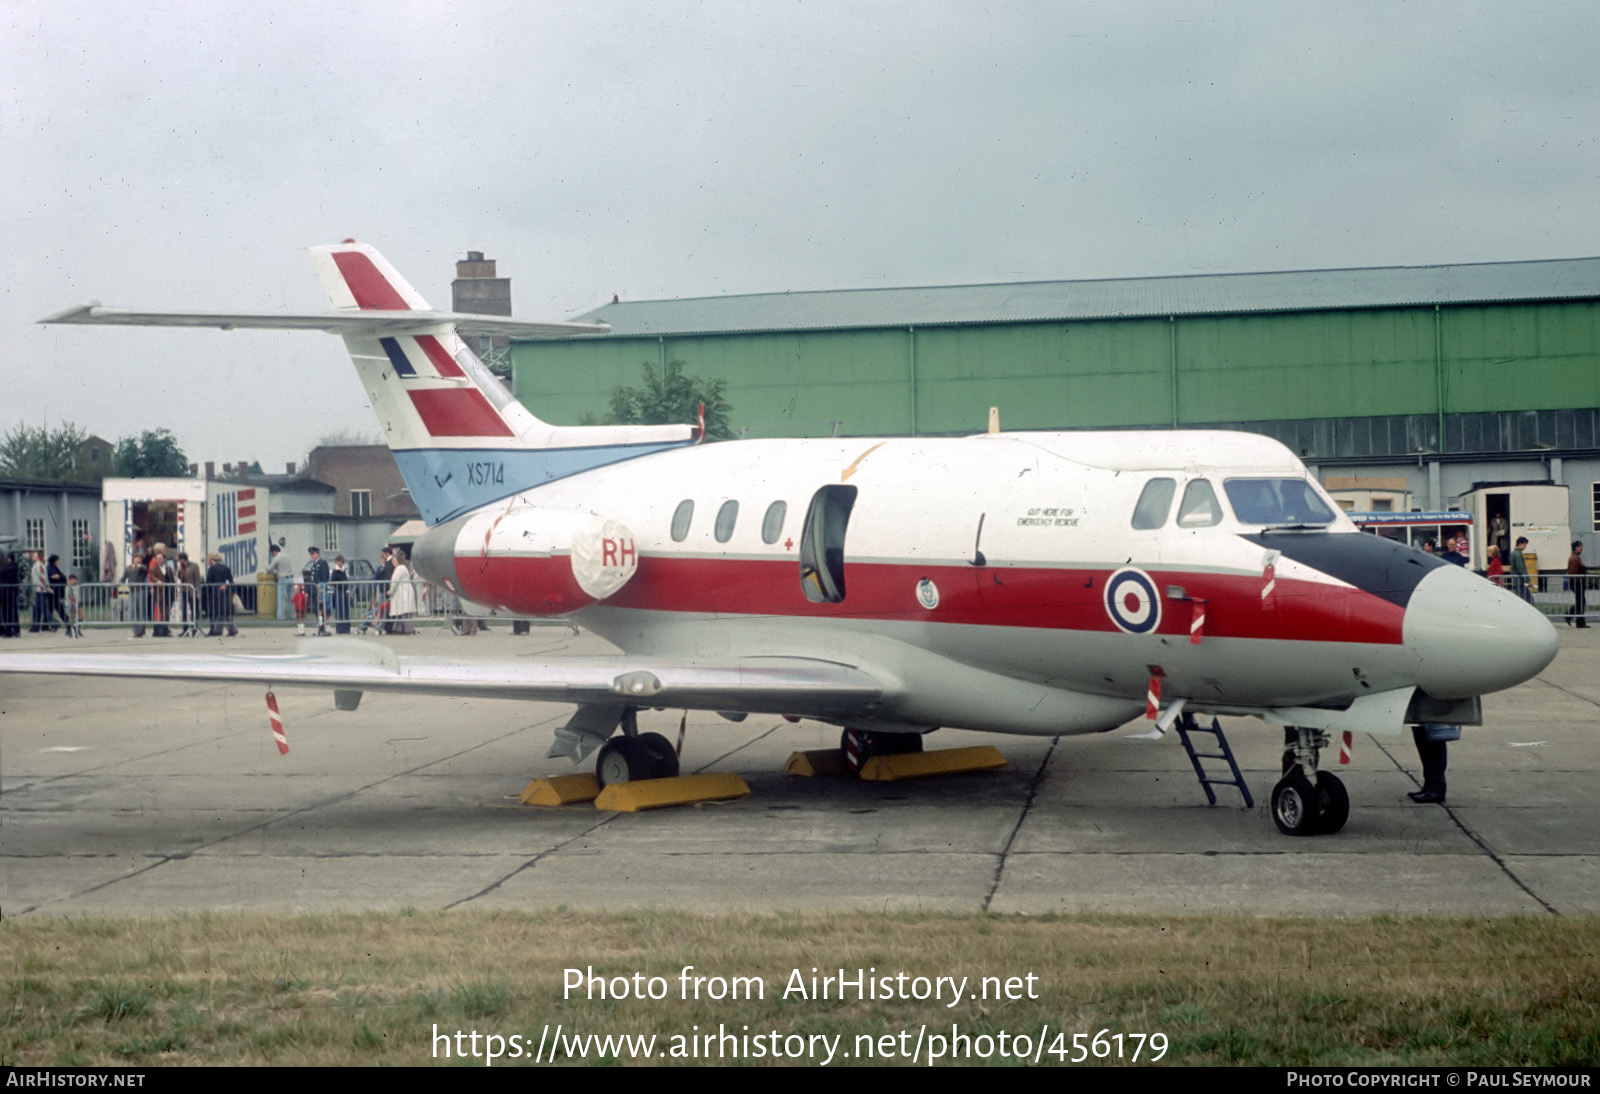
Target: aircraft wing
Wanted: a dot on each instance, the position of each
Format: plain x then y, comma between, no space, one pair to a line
369,322
760,685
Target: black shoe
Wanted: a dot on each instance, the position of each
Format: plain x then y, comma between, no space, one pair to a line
1427,797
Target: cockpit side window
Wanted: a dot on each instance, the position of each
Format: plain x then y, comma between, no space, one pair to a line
1199,508
1277,501
1155,502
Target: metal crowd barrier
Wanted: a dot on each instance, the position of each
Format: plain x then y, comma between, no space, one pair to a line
1555,594
353,607
176,606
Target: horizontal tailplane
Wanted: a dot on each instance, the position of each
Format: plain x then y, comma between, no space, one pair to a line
460,438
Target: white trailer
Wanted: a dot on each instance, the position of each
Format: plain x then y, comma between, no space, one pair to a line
194,516
1504,511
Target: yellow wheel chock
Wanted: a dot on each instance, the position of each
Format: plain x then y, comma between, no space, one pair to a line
561,790
943,761
631,797
904,765
819,761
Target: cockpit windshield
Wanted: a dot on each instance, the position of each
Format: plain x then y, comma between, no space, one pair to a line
1277,501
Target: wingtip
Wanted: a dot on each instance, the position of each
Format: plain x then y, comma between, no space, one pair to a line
75,314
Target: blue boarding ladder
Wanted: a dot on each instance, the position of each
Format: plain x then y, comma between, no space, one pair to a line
1188,725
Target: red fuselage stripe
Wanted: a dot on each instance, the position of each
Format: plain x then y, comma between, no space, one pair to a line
1053,599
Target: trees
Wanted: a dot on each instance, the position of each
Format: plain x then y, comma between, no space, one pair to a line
152,454
34,452
670,397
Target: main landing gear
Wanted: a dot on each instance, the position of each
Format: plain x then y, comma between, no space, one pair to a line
635,756
1308,802
860,745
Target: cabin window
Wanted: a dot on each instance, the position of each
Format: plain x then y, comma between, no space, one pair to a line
1276,501
772,523
1155,502
822,544
681,517
1199,508
727,517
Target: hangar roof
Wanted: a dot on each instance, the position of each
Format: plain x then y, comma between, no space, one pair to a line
1120,298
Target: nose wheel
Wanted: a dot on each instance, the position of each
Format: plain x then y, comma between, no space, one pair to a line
1308,802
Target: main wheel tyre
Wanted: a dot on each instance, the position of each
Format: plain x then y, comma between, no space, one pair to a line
1335,802
894,744
1296,807
623,760
662,752
860,745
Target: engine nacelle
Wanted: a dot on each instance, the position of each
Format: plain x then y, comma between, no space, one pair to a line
528,559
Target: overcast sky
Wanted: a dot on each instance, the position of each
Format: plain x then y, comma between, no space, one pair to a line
182,155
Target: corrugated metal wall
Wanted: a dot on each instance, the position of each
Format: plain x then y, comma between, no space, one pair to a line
1141,372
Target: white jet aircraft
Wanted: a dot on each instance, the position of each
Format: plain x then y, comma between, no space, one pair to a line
1026,583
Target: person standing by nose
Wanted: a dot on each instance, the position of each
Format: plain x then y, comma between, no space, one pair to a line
1576,572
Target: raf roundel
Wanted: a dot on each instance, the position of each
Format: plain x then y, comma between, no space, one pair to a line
1131,601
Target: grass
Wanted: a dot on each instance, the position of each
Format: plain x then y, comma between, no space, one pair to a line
370,988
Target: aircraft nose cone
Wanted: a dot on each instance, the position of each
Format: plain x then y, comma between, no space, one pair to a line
1471,637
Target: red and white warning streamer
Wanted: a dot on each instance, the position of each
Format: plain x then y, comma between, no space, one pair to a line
277,724
1152,698
1269,577
1346,744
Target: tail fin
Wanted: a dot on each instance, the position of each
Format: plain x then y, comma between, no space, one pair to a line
459,436
426,385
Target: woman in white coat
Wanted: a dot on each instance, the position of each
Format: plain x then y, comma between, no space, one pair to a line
402,596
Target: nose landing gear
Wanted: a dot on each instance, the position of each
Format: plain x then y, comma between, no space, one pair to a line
1308,802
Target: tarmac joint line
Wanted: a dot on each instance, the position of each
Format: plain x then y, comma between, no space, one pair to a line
1455,818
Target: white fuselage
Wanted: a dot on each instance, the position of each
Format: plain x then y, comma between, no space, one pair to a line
974,572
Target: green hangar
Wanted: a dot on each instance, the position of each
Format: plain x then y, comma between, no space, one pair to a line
1443,376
